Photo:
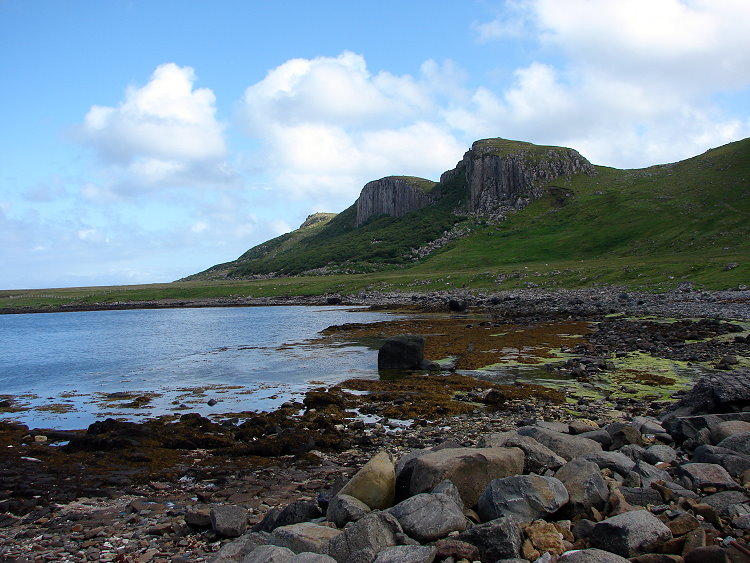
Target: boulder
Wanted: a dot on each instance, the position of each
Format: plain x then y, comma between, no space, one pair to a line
343,509
374,484
564,445
294,513
623,434
407,554
735,463
739,443
724,500
524,497
470,469
229,521
538,458
660,453
448,488
649,473
601,436
704,475
401,352
615,461
496,539
630,534
714,393
456,549
361,541
591,556
641,496
309,557
545,537
727,428
585,485
428,517
237,549
269,554
305,536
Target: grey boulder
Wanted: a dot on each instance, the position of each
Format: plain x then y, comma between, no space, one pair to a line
229,521
497,539
343,509
361,541
591,556
564,445
630,534
406,554
585,485
524,497
427,517
538,457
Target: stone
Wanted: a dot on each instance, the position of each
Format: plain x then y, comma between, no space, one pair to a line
296,512
585,485
704,475
727,428
634,452
268,524
469,469
401,352
600,436
591,556
524,497
375,483
647,425
683,524
660,453
713,393
630,534
538,458
657,558
428,517
309,557
229,521
407,554
496,539
739,443
623,435
545,537
237,549
708,554
734,462
615,461
724,500
649,473
404,469
641,496
343,509
198,517
361,541
269,554
305,536
448,488
580,426
564,445
456,549
394,196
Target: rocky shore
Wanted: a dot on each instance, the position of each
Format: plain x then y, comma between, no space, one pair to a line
629,478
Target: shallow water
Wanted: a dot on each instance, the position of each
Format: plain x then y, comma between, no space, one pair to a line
63,367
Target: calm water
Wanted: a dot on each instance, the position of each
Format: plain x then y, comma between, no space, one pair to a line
246,358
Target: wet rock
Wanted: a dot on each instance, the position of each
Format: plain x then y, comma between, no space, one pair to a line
229,521
564,445
345,508
470,469
364,539
305,536
538,458
427,517
406,554
401,352
630,534
585,485
375,483
496,539
524,497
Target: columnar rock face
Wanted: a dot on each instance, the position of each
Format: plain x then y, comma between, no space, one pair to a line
510,174
394,196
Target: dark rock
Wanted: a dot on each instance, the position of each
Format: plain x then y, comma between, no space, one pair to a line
708,475
585,486
401,352
660,453
394,196
229,521
538,458
427,517
564,445
615,461
708,554
456,549
406,554
724,500
366,538
333,300
524,497
739,443
344,509
496,539
640,496
630,534
714,393
591,556
457,305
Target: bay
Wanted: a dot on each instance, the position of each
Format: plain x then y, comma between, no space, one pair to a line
65,370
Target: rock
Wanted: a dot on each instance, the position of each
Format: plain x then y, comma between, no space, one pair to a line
704,475
564,445
496,539
333,300
268,524
683,524
237,549
296,512
394,196
657,558
734,462
727,428
524,497
305,536
708,554
724,500
538,458
407,554
623,434
601,436
198,517
457,305
269,554
585,485
343,509
374,484
470,469
647,425
630,534
361,541
649,473
309,557
580,426
591,556
660,453
636,453
714,393
739,443
456,549
404,469
401,352
615,461
448,488
229,521
545,537
428,517
641,496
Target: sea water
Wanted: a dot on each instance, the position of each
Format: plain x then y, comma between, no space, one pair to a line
65,370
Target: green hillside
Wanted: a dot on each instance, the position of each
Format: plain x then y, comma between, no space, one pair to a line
686,220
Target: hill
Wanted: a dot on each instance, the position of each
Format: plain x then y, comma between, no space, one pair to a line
514,204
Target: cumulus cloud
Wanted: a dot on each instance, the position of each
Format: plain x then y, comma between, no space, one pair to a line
328,125
162,134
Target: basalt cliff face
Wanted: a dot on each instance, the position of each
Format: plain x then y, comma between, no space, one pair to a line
394,196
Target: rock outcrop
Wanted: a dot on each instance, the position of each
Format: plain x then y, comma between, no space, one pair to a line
394,196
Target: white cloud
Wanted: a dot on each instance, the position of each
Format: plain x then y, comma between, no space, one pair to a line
162,134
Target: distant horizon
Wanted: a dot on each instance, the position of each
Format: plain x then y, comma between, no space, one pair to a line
149,140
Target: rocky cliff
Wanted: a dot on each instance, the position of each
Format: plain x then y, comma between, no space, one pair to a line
502,174
394,196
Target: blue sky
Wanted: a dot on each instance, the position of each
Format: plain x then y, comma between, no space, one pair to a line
143,141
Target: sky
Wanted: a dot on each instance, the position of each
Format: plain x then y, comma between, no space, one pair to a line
145,140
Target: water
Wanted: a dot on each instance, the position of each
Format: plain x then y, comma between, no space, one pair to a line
63,367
